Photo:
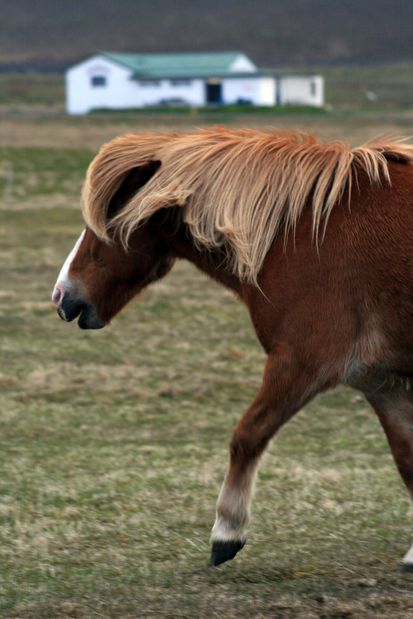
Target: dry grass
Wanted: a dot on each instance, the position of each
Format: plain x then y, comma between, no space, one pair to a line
113,446
90,132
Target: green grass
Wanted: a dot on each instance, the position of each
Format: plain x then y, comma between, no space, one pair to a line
212,113
31,89
348,87
42,174
113,445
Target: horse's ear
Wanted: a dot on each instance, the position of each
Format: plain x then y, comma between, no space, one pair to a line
131,183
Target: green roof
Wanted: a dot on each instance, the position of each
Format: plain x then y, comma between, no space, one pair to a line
155,66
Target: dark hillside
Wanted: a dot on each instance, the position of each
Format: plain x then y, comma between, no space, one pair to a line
51,34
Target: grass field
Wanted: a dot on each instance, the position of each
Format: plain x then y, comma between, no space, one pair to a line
114,443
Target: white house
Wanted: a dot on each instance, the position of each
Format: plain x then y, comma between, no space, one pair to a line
122,81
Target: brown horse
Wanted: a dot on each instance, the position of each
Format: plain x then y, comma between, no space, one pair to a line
317,241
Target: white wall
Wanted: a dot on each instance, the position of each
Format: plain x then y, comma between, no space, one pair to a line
121,91
242,63
193,93
301,90
268,90
257,90
81,97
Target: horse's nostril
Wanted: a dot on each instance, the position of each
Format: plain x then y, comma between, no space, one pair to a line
57,295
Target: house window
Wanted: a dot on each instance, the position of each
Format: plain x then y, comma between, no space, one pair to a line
313,88
147,83
181,82
98,81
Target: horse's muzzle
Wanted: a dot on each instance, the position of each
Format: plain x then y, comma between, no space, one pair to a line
70,306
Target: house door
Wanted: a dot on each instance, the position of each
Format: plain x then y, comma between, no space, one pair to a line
214,92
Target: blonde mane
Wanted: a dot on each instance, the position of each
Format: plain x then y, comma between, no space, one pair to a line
238,189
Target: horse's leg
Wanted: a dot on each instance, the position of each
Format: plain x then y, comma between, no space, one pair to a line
285,388
395,412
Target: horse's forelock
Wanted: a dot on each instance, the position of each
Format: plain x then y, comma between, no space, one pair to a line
118,171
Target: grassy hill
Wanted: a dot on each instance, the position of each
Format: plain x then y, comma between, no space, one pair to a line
51,34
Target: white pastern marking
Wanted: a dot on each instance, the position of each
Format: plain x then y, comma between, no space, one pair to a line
408,557
233,507
63,277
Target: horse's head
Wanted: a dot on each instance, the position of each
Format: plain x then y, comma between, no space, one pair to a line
100,275
98,279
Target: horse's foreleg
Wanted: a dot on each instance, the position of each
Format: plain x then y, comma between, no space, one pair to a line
285,388
395,411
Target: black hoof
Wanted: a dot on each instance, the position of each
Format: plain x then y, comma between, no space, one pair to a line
406,568
224,551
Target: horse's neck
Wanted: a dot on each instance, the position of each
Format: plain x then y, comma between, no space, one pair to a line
211,263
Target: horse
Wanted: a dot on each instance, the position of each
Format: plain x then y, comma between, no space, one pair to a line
316,239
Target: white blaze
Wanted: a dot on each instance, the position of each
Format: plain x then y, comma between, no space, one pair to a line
63,280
